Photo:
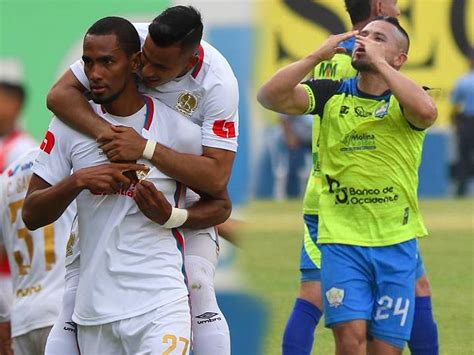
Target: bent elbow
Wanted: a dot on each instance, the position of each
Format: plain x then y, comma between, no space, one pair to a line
52,99
265,98
29,220
429,115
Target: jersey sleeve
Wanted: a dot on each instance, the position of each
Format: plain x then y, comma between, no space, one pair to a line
220,127
53,162
319,93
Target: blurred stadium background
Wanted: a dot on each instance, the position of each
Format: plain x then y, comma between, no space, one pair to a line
41,38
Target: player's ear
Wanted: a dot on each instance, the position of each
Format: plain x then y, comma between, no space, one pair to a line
401,59
377,8
192,62
136,63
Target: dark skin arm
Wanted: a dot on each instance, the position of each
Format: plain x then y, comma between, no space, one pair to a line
209,172
206,212
45,203
5,339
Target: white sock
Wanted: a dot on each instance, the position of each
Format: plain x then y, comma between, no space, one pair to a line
62,338
211,334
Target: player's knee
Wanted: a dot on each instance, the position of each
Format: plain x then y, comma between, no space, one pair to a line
423,287
350,337
200,273
311,291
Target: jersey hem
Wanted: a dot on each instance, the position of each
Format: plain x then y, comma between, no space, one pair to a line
311,212
220,145
34,326
113,318
362,243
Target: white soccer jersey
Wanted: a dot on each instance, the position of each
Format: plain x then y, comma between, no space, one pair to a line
129,264
14,145
208,95
36,257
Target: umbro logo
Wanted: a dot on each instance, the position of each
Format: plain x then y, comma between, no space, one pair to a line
70,327
208,317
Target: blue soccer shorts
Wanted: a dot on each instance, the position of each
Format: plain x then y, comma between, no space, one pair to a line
310,264
376,284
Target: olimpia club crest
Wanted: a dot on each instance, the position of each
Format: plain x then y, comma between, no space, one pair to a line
187,103
335,296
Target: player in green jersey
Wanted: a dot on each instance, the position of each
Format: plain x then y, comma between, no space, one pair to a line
299,332
283,94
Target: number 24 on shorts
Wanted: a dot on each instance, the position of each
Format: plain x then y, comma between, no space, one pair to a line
385,305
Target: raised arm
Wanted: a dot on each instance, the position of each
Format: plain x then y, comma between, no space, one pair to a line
418,106
67,101
283,92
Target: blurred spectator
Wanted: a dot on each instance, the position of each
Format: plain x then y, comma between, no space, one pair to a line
463,119
286,158
297,135
13,141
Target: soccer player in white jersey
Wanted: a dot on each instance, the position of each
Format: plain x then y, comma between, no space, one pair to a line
131,296
36,260
194,79
13,143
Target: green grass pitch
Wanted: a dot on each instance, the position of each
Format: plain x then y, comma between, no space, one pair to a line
272,242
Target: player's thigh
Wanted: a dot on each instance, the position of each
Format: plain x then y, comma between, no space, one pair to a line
22,345
395,269
100,339
33,342
310,262
163,331
346,279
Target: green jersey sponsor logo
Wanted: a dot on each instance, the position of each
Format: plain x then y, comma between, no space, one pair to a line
361,112
350,195
354,141
327,70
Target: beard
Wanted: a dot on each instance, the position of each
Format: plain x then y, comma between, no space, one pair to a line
361,65
104,100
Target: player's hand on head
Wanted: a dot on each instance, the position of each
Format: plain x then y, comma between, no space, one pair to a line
331,46
122,144
107,178
152,202
374,51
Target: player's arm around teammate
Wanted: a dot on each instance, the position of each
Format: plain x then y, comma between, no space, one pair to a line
209,172
203,214
45,203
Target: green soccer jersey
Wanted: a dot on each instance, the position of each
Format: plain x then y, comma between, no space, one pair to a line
370,156
339,67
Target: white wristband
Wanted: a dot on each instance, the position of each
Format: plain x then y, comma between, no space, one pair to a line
149,149
177,218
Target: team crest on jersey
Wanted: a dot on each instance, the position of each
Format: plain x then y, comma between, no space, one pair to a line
335,296
187,103
382,111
